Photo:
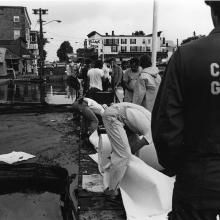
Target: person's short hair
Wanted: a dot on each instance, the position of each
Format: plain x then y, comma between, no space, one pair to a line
112,59
98,64
145,61
215,5
88,61
134,60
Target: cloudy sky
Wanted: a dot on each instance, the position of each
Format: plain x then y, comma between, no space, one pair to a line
176,18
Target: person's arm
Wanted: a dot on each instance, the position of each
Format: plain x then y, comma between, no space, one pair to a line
139,91
167,117
120,74
126,81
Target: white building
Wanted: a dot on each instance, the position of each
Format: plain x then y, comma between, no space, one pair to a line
124,46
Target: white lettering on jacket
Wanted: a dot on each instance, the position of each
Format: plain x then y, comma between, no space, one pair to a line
214,69
215,85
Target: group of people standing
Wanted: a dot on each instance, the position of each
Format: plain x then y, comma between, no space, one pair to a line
98,76
141,82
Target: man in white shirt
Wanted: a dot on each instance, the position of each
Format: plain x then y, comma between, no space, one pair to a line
95,77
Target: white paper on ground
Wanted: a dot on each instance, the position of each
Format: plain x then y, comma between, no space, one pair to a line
105,175
93,183
14,157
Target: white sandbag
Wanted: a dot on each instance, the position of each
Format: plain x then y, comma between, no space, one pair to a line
148,154
94,139
104,152
139,120
145,191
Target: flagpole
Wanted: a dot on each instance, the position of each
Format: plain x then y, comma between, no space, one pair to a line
154,37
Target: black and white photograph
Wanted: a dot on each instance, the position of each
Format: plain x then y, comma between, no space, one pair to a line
109,110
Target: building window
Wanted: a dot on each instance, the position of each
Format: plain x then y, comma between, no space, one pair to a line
33,38
139,49
143,42
16,19
132,41
114,49
133,49
123,48
17,34
149,41
147,48
116,41
123,41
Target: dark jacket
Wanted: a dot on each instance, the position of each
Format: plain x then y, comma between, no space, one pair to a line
186,118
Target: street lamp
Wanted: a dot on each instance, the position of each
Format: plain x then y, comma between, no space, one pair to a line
58,21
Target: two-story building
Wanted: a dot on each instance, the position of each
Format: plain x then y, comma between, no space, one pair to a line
123,47
15,26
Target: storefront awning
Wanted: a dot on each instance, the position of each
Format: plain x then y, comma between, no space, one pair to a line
11,56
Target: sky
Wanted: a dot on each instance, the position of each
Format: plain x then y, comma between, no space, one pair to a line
177,19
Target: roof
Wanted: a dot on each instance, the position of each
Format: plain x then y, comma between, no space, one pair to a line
121,35
158,34
93,33
11,56
6,54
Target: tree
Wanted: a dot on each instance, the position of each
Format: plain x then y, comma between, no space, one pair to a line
194,37
138,33
64,49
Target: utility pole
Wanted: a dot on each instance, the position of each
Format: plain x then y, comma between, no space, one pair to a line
103,55
41,12
154,37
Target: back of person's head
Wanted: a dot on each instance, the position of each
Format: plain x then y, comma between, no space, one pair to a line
87,61
134,61
215,5
145,61
98,64
112,59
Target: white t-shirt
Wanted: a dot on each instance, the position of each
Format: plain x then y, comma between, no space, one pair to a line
95,78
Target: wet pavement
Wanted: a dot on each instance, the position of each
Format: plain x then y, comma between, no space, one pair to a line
52,138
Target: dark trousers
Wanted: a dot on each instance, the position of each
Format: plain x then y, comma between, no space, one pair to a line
182,211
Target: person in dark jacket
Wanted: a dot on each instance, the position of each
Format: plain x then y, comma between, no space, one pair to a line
186,125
